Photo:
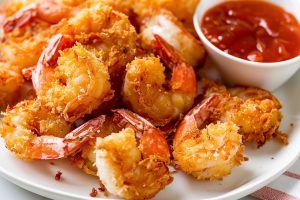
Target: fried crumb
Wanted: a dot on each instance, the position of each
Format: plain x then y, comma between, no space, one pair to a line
272,158
93,193
58,176
52,163
246,158
101,187
106,194
77,160
291,124
282,137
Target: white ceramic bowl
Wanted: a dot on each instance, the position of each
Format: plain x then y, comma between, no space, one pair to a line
235,70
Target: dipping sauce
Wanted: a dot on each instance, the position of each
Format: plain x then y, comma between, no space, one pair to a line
253,30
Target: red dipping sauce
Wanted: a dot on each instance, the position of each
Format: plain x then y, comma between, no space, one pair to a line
253,30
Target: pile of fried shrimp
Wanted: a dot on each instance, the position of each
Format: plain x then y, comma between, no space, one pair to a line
112,86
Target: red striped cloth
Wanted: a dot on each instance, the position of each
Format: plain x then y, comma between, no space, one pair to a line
286,187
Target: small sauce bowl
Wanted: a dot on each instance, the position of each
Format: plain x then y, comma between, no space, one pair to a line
234,70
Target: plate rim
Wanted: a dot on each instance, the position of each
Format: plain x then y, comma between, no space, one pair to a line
237,193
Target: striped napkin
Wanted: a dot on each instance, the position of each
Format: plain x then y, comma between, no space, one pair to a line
286,187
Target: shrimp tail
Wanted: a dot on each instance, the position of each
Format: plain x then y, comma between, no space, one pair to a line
181,70
48,11
50,55
57,43
167,52
27,72
203,110
20,19
152,139
127,117
50,147
196,117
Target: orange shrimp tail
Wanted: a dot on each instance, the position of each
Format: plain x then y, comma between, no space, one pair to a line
57,43
152,140
183,75
48,11
22,18
167,52
126,117
49,57
27,72
195,118
154,143
204,109
49,147
184,79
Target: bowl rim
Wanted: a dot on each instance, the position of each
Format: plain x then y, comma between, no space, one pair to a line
197,25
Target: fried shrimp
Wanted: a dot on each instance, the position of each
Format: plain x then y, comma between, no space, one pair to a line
111,86
86,158
143,167
182,9
105,43
27,32
132,162
144,90
10,7
73,81
106,32
167,26
207,152
30,131
255,111
23,48
11,82
50,11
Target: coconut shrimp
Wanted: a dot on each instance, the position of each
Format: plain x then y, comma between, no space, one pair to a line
11,81
132,162
27,32
31,132
70,80
144,90
255,111
10,7
182,9
207,152
167,26
106,32
50,11
23,49
86,158
105,43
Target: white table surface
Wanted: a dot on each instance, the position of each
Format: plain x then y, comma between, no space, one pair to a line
10,191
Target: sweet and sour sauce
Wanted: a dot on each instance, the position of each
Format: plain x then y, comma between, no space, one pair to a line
253,30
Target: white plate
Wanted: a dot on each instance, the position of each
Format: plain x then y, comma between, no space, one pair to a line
265,165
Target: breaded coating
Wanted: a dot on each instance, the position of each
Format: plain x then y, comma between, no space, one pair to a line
255,111
124,172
